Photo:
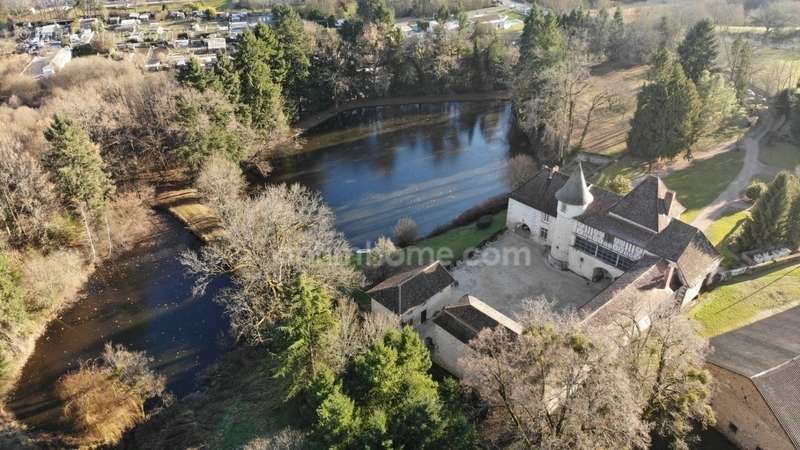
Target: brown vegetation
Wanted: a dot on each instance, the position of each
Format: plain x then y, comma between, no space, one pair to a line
106,397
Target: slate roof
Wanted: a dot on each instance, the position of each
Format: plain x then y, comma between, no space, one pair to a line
575,191
641,287
411,288
633,218
649,205
768,353
540,191
465,319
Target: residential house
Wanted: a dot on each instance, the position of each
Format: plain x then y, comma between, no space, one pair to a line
756,372
414,295
47,66
599,234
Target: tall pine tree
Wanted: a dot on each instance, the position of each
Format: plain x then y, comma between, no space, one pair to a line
224,79
260,91
768,224
193,74
78,170
664,123
699,50
306,333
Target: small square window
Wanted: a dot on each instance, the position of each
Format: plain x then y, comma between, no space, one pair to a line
563,207
608,238
423,316
543,233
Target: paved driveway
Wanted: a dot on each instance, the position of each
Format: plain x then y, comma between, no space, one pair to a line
505,282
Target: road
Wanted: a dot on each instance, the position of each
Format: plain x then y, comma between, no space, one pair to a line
751,167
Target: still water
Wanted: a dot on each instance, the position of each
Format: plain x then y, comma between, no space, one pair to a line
429,162
145,302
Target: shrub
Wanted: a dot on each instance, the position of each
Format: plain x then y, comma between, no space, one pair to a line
405,231
220,182
755,190
63,231
50,280
107,396
12,303
619,184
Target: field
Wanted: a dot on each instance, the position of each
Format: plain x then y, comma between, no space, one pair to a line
609,129
781,155
747,299
722,232
701,182
775,68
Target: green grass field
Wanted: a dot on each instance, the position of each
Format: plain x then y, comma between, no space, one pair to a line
722,232
782,155
700,183
452,245
747,299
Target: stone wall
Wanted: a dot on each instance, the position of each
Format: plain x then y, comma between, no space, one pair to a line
742,414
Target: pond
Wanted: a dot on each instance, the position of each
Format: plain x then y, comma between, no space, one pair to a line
429,162
144,302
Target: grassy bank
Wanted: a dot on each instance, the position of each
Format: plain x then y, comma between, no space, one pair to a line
781,155
703,181
452,245
747,299
722,232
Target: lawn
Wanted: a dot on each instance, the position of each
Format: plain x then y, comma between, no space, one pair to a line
628,167
700,183
781,155
722,232
747,299
451,246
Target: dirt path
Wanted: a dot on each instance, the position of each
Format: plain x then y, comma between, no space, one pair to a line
320,117
751,167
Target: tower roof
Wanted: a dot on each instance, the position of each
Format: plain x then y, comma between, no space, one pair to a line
575,191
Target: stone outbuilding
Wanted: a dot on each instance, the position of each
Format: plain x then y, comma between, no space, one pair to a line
756,371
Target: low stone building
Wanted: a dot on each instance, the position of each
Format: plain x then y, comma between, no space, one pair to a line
756,370
414,295
456,325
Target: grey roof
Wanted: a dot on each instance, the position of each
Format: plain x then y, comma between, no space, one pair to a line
643,285
760,346
688,247
575,191
540,191
467,318
781,390
767,352
649,204
632,218
411,288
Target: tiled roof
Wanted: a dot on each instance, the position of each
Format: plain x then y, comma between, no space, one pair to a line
686,246
575,191
540,191
640,287
767,352
411,288
467,318
647,206
781,390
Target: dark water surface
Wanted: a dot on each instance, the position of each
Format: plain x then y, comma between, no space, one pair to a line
144,302
429,162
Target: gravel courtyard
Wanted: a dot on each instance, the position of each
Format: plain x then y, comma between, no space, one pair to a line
504,283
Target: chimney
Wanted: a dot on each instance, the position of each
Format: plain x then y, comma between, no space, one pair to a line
668,276
669,197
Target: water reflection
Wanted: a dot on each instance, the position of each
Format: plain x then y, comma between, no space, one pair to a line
429,162
144,302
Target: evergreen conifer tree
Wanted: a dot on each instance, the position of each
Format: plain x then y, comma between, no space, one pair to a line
699,50
768,224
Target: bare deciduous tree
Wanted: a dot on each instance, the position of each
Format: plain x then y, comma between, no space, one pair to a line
355,332
521,168
553,386
221,183
26,196
269,240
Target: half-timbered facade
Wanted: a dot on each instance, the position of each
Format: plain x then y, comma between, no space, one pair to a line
599,235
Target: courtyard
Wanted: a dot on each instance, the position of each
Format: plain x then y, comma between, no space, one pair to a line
512,268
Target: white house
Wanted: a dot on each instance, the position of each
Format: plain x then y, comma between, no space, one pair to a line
47,66
598,234
414,295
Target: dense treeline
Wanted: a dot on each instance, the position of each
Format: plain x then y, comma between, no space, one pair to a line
271,84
